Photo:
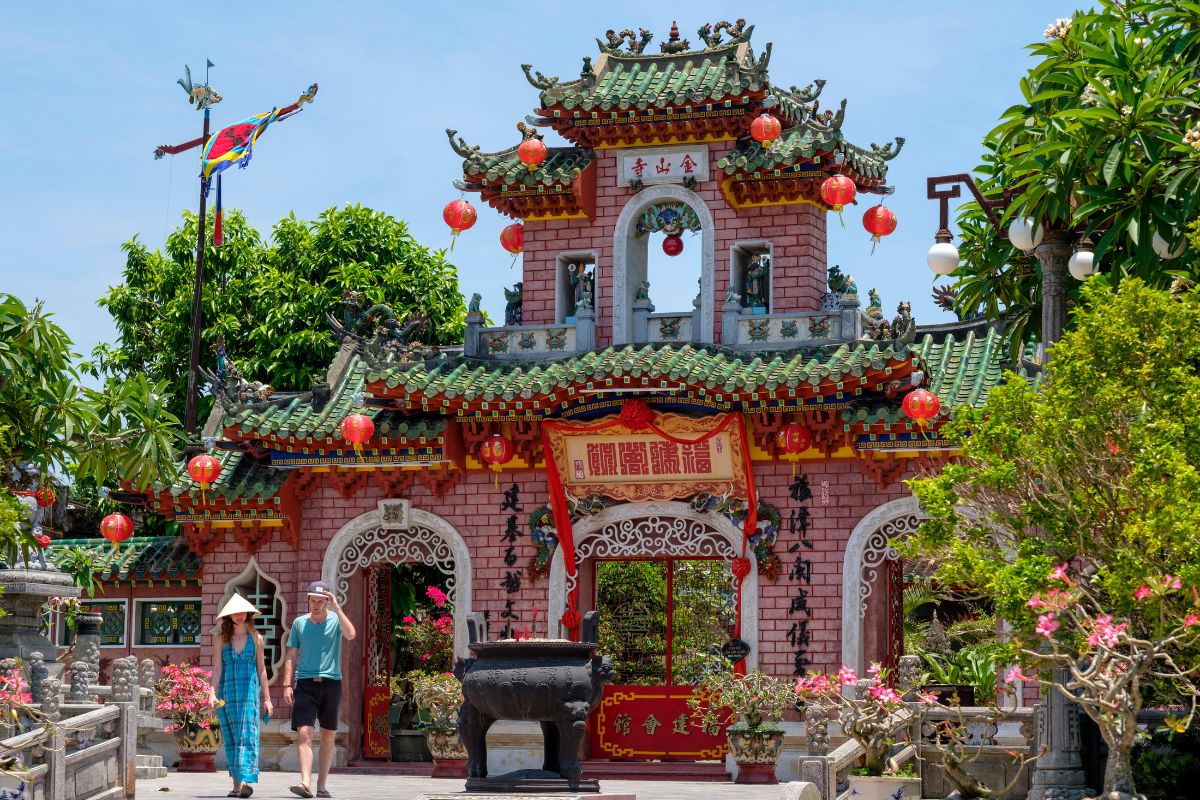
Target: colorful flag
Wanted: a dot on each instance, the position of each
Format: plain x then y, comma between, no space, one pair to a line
233,145
218,220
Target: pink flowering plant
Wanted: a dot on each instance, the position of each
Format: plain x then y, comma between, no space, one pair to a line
752,701
870,711
438,695
182,697
428,633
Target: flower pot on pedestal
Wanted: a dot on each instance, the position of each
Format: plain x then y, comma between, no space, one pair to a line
755,750
884,787
198,750
449,754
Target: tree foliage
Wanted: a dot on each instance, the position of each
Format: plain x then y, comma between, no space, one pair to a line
269,300
1103,144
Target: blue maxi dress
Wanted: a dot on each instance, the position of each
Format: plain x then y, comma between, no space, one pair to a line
239,716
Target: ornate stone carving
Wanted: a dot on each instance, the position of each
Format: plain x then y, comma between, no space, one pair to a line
513,315
38,673
124,680
419,545
878,549
79,682
51,698
908,673
816,726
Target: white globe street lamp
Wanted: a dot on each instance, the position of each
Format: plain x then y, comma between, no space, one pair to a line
942,258
1024,233
1162,248
1082,263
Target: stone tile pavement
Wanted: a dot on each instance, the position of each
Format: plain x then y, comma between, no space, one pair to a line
193,786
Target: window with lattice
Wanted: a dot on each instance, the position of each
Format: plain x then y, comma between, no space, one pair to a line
264,593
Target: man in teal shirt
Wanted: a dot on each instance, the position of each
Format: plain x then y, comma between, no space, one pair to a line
315,644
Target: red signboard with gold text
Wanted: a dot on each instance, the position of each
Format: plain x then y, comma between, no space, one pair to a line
652,722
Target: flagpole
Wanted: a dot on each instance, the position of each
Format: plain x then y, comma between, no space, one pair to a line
189,424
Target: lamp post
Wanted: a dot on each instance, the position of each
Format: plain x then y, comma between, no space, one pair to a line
1052,248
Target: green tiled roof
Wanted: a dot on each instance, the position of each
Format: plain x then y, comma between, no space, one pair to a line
627,81
710,367
562,166
300,419
798,145
150,558
242,478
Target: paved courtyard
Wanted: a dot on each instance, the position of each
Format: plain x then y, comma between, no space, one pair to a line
178,786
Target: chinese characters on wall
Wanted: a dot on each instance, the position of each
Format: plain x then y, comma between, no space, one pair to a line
512,575
664,166
800,573
603,459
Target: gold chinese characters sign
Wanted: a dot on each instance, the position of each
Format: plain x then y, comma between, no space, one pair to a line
694,456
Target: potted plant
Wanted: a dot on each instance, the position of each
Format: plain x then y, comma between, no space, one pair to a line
870,713
438,695
182,697
757,702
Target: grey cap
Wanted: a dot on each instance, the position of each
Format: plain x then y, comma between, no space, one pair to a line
319,589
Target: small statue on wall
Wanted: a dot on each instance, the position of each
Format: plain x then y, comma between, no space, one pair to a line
581,287
755,284
512,309
643,291
473,306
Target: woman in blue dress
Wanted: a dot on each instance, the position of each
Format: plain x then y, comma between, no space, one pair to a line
239,681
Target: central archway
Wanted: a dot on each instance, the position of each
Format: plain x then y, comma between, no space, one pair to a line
641,530
629,258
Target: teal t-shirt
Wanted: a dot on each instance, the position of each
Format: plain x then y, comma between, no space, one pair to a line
320,646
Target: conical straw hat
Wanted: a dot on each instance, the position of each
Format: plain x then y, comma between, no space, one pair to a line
237,605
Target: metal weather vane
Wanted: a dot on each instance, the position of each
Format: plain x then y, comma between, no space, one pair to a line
229,146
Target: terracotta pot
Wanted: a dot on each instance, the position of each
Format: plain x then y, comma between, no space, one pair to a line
884,787
197,752
449,754
755,749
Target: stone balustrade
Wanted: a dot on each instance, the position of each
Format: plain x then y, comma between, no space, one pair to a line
515,342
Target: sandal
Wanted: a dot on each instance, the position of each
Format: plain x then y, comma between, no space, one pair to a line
234,793
246,791
300,790
323,793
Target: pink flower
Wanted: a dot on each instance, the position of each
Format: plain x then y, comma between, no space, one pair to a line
1047,624
1014,675
435,594
884,694
928,698
847,676
1190,620
1172,582
1104,632
1036,602
425,656
1059,573
1142,593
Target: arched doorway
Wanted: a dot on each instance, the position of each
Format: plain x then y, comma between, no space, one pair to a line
630,259
872,579
668,545
357,566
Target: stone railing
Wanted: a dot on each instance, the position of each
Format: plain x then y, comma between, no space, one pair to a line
798,329
78,749
514,342
999,741
668,327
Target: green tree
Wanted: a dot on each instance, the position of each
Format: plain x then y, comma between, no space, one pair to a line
269,300
1103,144
1095,468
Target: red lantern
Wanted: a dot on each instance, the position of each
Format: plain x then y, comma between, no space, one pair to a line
793,439
496,451
838,191
879,222
116,528
358,429
765,129
204,470
459,215
532,153
921,405
44,497
512,239
673,244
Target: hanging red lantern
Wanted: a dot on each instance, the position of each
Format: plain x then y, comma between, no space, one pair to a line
357,429
673,244
921,405
879,221
765,129
116,528
496,451
532,152
459,215
44,497
512,239
204,470
793,439
838,191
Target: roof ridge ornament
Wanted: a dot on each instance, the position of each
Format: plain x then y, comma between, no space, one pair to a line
470,152
538,80
711,33
889,150
615,40
674,44
808,94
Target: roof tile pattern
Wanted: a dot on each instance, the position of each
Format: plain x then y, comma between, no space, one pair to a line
561,167
149,558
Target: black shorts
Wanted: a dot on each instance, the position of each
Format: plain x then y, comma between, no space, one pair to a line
317,700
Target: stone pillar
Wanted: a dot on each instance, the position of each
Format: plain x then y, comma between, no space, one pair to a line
471,336
585,329
51,700
850,320
24,592
87,644
1053,253
814,765
731,312
38,673
147,679
642,309
80,672
125,680
1058,771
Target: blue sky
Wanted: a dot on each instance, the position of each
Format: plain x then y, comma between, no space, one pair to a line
87,91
